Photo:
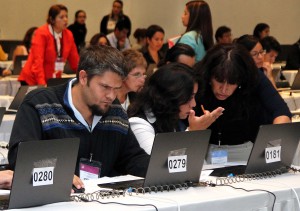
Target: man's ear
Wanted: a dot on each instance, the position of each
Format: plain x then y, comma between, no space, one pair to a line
82,77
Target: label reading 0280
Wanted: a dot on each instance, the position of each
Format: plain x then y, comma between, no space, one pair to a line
177,163
42,176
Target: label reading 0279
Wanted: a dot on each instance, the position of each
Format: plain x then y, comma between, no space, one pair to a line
42,176
177,163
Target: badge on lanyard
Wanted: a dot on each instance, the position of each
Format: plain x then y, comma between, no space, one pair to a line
89,169
219,156
58,67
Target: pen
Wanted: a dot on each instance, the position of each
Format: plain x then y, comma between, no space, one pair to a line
202,107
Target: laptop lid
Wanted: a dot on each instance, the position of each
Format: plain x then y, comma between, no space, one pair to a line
274,148
57,81
18,99
2,111
44,172
296,82
177,157
19,63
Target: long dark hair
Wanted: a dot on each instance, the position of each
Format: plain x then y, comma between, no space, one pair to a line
169,87
27,38
231,63
201,21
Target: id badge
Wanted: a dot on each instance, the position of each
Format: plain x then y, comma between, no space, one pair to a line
111,24
89,169
219,156
58,67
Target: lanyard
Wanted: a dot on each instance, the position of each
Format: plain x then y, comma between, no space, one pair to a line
61,43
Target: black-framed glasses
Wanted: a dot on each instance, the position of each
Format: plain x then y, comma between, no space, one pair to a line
257,53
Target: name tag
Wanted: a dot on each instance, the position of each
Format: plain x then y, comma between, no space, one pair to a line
273,154
43,176
219,156
177,163
88,172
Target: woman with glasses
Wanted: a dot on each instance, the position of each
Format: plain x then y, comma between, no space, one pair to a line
135,79
228,78
166,100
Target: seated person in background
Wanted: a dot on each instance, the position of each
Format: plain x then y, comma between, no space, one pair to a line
86,108
272,47
24,49
6,179
140,36
155,38
253,45
118,38
223,35
293,58
99,39
134,81
78,29
261,30
168,98
3,55
228,78
109,21
181,53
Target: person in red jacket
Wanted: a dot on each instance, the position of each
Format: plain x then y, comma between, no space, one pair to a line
52,45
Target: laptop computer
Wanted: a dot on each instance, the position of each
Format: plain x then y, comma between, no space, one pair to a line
268,141
18,99
43,173
2,111
57,81
19,63
176,158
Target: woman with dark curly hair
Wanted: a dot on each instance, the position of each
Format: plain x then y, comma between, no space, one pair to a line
228,77
168,98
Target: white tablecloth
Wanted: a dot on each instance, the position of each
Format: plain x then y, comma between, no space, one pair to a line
286,188
6,127
5,64
5,100
9,85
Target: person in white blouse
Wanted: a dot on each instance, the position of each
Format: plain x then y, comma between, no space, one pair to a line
135,79
166,100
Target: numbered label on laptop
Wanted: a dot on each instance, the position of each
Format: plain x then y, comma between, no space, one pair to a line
42,176
177,163
273,154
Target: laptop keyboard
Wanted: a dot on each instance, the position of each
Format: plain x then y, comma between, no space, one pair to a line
123,185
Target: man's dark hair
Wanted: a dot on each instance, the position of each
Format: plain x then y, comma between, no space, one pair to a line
270,43
220,31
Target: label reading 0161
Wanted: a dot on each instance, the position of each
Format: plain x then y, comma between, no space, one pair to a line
42,176
177,163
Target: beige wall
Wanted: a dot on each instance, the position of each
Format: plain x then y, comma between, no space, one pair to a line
16,16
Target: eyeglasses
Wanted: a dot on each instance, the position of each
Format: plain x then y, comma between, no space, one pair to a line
257,53
138,75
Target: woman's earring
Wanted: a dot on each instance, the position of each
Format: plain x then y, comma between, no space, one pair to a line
240,86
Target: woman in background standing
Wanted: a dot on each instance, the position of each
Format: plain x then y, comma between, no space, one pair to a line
52,45
109,21
199,32
78,29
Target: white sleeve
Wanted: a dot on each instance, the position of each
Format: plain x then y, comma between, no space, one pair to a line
144,133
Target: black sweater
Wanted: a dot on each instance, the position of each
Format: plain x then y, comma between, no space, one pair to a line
46,114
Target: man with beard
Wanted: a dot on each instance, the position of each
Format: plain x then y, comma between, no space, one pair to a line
86,107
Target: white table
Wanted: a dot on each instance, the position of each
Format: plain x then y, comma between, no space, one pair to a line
202,198
5,64
5,100
9,85
6,127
